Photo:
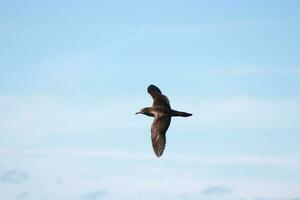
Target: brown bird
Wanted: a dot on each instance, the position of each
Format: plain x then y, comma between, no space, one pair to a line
162,113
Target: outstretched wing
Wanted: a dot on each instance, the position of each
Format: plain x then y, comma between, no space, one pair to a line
159,128
159,100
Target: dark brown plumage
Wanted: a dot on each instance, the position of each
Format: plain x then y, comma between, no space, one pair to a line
162,113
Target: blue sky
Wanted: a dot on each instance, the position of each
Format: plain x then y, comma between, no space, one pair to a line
73,73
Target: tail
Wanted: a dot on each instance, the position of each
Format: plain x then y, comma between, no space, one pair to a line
176,113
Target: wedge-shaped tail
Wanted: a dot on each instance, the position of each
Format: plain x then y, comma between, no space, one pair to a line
176,113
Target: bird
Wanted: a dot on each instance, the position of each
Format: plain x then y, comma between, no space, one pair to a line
162,112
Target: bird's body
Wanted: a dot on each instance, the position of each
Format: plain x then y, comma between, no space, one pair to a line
157,111
162,113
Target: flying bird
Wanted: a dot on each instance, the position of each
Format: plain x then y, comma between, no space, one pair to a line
162,113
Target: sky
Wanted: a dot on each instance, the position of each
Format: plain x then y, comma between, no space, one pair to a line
73,73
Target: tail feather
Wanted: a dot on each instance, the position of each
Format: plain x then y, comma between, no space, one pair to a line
176,113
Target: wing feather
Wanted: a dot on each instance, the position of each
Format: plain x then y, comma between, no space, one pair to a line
158,134
159,100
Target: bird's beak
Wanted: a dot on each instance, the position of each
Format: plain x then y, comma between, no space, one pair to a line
138,112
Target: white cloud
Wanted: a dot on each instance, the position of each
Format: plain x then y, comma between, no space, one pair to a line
99,194
242,113
131,175
121,154
14,176
42,114
216,190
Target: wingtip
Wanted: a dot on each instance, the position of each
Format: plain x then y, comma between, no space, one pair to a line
158,155
159,152
153,88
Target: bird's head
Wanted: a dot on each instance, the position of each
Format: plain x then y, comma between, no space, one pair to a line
145,111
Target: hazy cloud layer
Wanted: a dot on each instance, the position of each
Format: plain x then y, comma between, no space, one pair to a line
43,114
95,195
22,195
14,176
215,190
79,173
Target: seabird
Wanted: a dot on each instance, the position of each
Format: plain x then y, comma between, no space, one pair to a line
162,113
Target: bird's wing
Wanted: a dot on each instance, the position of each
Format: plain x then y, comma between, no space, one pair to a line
159,99
159,128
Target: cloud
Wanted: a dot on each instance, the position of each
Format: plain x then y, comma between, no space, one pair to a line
43,114
14,176
216,190
95,195
122,154
22,195
26,115
127,176
275,198
259,198
242,113
183,196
